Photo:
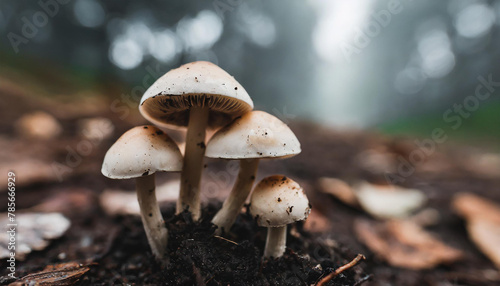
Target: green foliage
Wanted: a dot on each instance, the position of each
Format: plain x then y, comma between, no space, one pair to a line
482,126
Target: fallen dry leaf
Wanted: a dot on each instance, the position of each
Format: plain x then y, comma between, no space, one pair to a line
317,222
389,201
404,244
64,274
483,223
71,202
378,161
97,128
33,232
482,164
39,125
426,217
339,189
28,171
381,201
471,206
486,235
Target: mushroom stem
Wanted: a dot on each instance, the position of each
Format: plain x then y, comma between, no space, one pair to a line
154,225
275,242
226,216
189,196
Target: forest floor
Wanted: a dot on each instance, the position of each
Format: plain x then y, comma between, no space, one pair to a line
59,175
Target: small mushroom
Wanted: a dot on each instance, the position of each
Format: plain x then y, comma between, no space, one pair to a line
139,153
198,95
254,136
276,202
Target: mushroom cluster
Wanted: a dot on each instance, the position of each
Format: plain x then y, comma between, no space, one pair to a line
200,96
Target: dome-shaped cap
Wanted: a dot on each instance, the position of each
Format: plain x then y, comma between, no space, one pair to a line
278,201
168,100
141,151
256,134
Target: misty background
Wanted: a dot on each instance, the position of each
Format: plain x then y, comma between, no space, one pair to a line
393,66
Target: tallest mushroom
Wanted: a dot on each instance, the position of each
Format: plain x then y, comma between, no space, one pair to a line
198,96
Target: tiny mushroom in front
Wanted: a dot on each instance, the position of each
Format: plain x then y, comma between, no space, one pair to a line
253,136
277,201
198,95
139,153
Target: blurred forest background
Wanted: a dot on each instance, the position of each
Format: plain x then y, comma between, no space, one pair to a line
369,87
394,66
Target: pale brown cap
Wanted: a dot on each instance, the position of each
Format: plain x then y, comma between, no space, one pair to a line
204,84
256,134
141,151
278,201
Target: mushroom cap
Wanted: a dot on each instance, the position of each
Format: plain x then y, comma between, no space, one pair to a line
256,134
141,151
168,100
278,201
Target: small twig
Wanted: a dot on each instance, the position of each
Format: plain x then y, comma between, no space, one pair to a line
211,278
220,237
341,269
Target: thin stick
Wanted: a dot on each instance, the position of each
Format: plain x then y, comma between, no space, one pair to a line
220,237
341,269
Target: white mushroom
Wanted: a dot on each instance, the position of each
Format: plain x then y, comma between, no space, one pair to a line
197,95
277,201
255,135
139,153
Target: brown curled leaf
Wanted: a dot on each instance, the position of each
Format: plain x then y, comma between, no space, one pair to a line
405,244
483,223
64,274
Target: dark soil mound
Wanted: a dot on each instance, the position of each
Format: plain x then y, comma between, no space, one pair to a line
198,257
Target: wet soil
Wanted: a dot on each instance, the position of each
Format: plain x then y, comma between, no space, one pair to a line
120,254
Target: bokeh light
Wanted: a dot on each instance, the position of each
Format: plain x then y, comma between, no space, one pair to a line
125,53
89,13
474,20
